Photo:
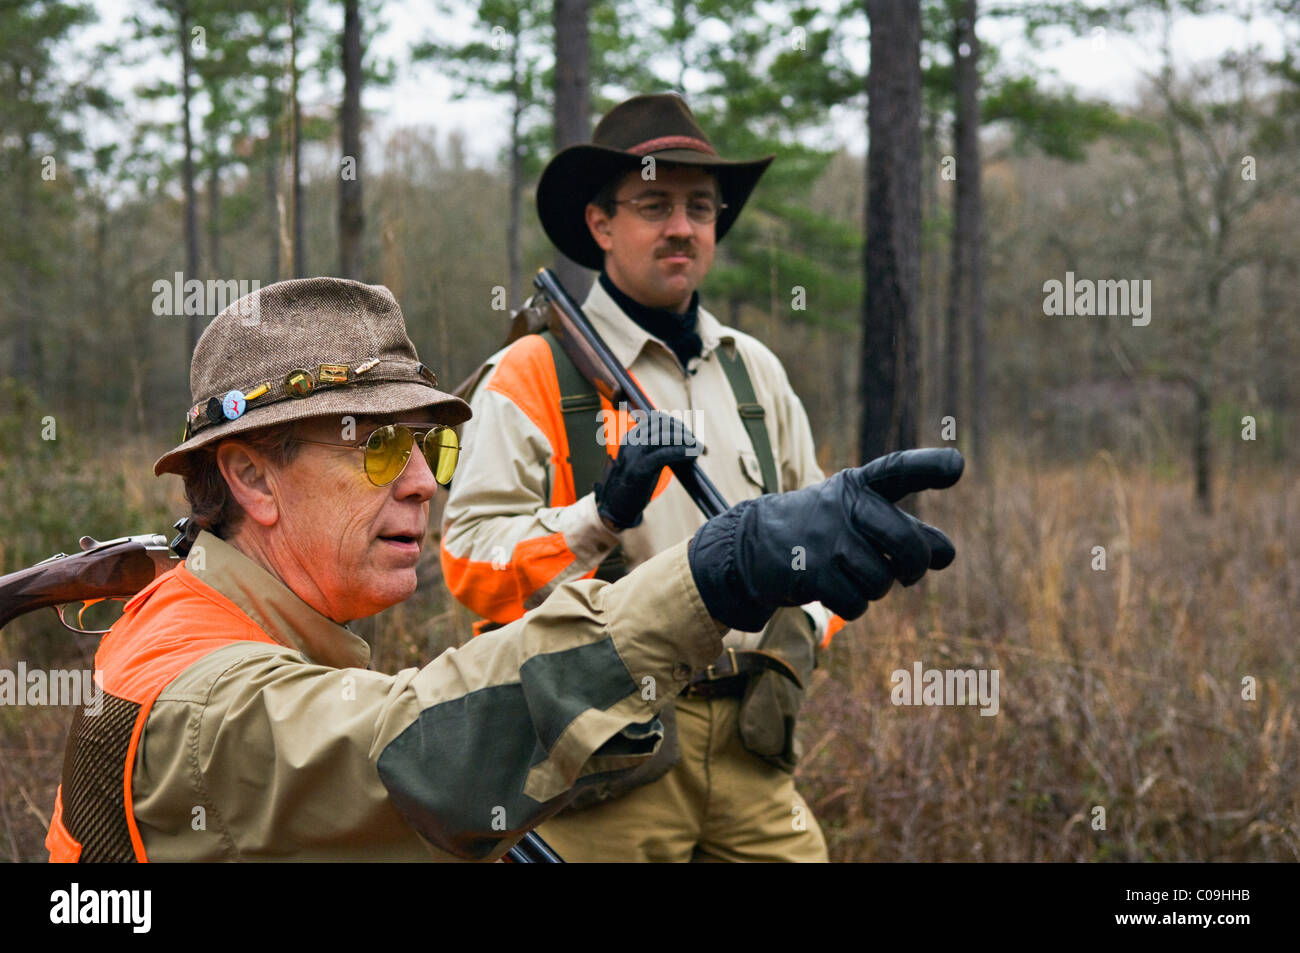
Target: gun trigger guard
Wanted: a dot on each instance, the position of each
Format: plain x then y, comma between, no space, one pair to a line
58,610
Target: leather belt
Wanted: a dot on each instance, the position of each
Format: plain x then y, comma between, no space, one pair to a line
730,671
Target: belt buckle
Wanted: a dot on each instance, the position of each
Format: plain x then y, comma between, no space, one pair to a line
711,673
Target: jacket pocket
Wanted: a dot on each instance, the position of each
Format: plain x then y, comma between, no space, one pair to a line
749,466
769,710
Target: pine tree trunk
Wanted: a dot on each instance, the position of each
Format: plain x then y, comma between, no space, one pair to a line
1203,391
214,216
295,148
887,379
931,298
572,107
1201,445
187,170
514,261
24,308
968,221
272,205
351,212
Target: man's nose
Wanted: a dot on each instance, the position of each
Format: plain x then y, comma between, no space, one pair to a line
416,481
679,224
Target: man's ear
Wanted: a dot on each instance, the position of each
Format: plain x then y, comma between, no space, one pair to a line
245,472
598,223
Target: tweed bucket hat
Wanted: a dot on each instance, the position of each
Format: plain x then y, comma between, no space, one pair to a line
304,348
659,125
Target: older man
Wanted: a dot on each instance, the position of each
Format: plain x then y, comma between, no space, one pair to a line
239,720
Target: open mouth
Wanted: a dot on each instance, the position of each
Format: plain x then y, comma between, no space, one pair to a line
405,540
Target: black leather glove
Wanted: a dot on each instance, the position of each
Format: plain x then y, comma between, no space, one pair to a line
841,542
658,441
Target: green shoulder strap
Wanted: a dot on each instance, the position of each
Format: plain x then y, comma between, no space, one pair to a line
579,403
579,400
751,413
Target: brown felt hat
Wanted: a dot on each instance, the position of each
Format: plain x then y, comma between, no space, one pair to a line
304,348
659,125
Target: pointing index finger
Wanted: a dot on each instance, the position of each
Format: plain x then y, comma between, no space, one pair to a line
908,471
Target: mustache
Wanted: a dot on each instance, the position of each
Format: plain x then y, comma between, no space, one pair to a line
676,248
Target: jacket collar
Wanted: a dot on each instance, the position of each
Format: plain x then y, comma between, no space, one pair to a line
626,338
676,329
273,607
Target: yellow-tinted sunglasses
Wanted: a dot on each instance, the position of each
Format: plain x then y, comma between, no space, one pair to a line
388,450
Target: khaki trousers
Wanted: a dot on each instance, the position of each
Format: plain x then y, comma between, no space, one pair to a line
718,803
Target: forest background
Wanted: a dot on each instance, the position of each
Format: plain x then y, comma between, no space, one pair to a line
1126,556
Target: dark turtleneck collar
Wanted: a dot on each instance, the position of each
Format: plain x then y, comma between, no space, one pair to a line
675,330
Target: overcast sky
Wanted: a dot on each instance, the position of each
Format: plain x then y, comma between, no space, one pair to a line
1099,65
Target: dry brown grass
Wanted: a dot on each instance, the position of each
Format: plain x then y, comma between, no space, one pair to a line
1120,689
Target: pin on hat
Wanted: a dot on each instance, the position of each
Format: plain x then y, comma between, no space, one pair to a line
233,404
322,346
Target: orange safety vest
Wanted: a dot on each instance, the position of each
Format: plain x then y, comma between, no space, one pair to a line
527,376
166,627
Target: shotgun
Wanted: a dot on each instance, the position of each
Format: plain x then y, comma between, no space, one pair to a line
597,363
114,569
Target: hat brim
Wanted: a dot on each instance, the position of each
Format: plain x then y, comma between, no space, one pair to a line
571,180
359,400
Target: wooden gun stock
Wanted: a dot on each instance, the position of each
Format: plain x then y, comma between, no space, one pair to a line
584,357
115,569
